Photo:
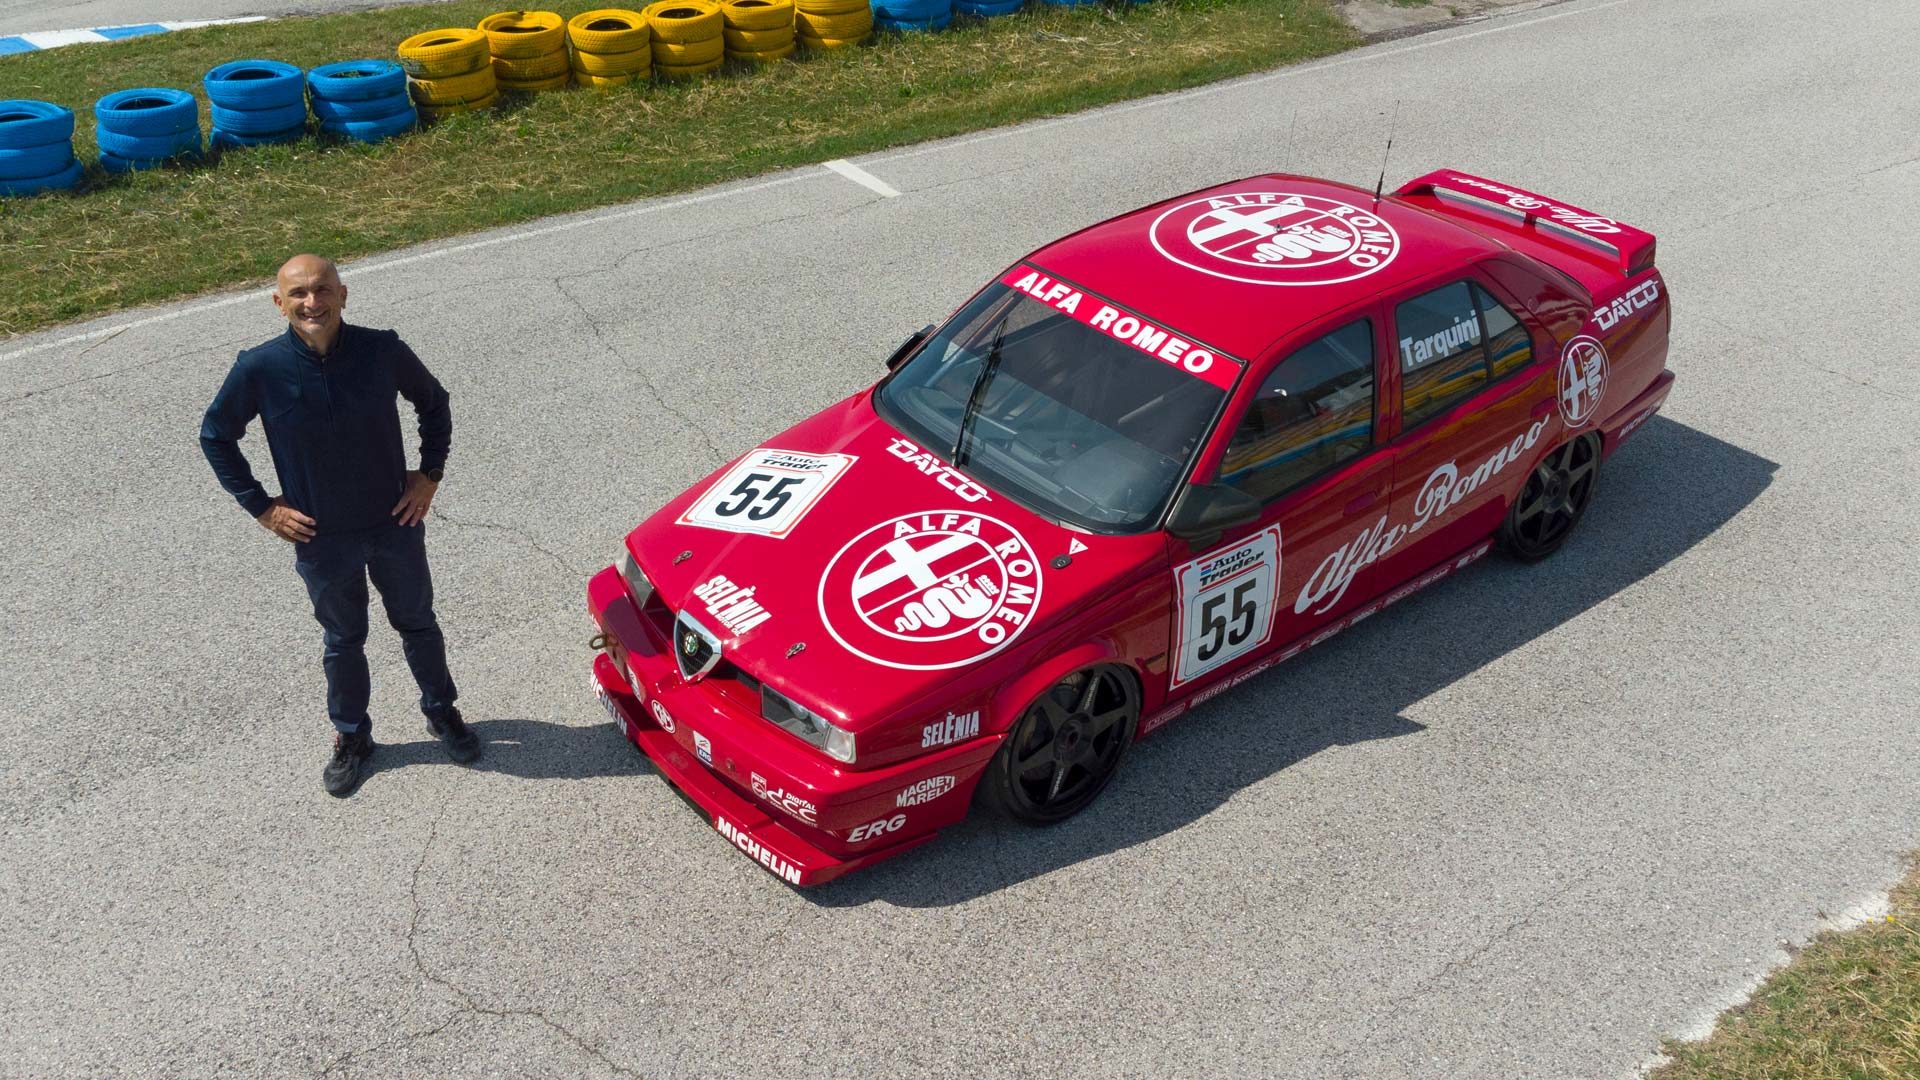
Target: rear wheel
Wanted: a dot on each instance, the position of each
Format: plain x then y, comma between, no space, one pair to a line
1066,746
1553,500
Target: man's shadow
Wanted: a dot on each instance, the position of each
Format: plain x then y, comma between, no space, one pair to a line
528,749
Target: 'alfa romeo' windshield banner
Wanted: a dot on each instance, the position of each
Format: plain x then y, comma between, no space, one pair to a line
1156,341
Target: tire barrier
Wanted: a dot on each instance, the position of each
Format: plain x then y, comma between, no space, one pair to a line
528,50
440,112
987,9
912,14
758,30
832,24
437,54
610,47
361,100
36,148
686,37
146,127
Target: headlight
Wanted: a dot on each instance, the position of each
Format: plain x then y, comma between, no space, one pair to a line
637,584
835,741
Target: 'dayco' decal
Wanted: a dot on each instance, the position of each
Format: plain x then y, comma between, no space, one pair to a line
1275,238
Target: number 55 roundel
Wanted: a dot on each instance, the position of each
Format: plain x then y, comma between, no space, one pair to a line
1226,604
767,492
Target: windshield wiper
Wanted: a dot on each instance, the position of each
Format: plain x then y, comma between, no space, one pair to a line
961,444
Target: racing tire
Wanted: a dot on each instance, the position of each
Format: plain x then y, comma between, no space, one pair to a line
682,22
453,90
755,16
25,122
607,82
372,131
745,41
255,85
1065,747
609,30
357,80
61,180
148,111
612,65
763,56
815,44
690,53
836,28
146,147
1552,501
327,111
532,69
260,121
524,35
34,162
222,139
437,54
686,71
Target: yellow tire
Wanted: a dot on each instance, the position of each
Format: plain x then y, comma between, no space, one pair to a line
454,89
758,15
605,82
438,112
836,27
535,86
823,44
762,56
690,53
685,71
613,65
437,54
534,68
831,7
523,35
684,21
608,30
756,40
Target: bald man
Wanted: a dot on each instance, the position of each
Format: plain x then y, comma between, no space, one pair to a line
326,394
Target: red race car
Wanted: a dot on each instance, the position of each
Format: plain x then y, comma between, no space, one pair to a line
1148,462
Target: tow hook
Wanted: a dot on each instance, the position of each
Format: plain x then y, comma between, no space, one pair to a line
600,642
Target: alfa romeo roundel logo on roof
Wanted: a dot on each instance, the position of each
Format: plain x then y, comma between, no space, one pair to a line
1275,238
931,590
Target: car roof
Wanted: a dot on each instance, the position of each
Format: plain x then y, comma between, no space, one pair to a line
1201,263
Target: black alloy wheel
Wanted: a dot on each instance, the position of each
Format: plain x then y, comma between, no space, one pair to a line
1066,746
1552,502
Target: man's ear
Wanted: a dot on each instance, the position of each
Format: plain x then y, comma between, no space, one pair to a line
341,306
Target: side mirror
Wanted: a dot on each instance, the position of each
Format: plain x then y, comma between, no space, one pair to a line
906,347
1207,510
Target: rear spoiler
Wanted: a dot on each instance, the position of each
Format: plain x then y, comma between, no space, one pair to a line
1630,248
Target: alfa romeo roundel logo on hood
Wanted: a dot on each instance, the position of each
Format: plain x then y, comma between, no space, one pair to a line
932,590
1275,238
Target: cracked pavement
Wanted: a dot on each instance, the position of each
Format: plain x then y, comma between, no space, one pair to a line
1526,824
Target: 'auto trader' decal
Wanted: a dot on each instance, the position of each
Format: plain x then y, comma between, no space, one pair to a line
1226,604
1275,238
930,591
767,492
1156,341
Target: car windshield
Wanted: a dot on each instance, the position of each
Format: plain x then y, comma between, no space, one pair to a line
1065,418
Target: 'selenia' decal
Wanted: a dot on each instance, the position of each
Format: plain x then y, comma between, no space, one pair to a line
1275,238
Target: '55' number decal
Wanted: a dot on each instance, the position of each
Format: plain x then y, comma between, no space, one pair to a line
767,492
1226,604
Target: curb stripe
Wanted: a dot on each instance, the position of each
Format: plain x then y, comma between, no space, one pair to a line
37,40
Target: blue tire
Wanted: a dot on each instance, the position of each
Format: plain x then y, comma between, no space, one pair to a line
150,110
371,131
222,139
935,22
114,163
25,123
335,112
260,121
32,162
357,80
144,147
988,10
255,85
34,185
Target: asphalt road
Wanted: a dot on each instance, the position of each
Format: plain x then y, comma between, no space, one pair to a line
1525,824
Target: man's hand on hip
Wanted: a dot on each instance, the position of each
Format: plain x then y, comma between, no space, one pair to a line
286,523
412,507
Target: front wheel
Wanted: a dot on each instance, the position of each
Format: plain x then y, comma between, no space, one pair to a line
1553,500
1065,747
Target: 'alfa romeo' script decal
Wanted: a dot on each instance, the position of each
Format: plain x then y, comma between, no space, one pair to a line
930,591
1275,238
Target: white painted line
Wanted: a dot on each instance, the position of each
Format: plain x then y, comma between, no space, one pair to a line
861,176
808,174
197,23
53,39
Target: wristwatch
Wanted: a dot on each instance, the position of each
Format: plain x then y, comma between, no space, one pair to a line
433,474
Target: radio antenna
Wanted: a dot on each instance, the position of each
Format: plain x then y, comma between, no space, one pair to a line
1382,182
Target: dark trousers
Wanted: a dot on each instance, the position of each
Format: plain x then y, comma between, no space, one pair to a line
336,568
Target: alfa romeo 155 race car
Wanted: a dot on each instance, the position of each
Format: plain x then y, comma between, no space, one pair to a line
1146,463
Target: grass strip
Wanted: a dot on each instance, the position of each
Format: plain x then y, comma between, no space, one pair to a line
1846,1008
123,241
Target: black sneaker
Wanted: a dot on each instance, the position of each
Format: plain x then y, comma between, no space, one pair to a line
454,734
352,755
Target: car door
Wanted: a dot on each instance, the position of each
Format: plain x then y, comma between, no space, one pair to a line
1304,442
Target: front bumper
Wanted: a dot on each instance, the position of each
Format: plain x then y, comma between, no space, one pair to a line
804,817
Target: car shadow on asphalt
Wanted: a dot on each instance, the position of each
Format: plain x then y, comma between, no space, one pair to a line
1667,490
528,749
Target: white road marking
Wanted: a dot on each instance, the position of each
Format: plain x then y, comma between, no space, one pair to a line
53,39
862,177
809,174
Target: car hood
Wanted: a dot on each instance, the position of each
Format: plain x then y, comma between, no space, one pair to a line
885,582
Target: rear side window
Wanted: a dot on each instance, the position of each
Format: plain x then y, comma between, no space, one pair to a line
1442,353
1509,347
1315,411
